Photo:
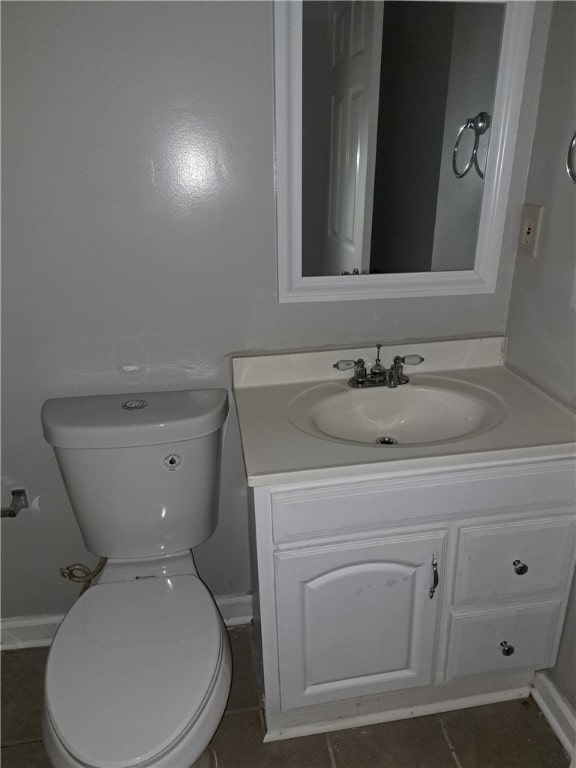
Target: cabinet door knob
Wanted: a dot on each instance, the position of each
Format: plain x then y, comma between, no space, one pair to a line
519,567
507,650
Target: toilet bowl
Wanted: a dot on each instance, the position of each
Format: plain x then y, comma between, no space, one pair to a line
138,675
139,672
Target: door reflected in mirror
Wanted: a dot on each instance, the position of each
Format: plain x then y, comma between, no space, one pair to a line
397,101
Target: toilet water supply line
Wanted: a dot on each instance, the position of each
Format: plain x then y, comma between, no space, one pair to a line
82,574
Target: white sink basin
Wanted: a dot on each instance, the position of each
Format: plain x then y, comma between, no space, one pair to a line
428,410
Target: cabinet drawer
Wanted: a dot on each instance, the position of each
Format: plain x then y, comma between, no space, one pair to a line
476,640
514,560
316,510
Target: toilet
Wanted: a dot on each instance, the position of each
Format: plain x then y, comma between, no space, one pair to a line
139,671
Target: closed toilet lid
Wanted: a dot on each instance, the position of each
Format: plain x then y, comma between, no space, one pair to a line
130,668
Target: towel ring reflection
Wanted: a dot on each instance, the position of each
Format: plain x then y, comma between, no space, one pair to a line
571,159
479,125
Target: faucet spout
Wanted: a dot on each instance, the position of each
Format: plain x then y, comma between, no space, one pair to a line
378,369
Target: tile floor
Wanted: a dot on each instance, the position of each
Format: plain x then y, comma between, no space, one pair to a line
508,735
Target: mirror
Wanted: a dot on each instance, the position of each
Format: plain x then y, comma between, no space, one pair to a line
386,89
384,115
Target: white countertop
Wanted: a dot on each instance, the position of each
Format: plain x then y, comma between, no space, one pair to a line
534,425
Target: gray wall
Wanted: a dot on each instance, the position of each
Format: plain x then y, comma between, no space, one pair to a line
543,302
139,230
541,322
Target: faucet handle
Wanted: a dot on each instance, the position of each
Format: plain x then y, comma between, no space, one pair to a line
412,359
399,377
344,365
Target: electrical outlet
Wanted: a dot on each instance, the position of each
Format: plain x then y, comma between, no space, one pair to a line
530,231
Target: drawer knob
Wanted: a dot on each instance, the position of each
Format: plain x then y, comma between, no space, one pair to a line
519,567
507,650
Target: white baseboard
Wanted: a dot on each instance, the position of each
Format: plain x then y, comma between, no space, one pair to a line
557,711
235,609
29,631
38,631
405,713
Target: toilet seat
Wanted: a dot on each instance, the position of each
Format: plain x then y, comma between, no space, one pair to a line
131,669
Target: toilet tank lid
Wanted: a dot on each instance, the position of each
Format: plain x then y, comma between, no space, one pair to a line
125,420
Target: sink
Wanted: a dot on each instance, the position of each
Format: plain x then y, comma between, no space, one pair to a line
428,410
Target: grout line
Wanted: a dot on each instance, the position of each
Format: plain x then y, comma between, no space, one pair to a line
448,741
21,743
330,751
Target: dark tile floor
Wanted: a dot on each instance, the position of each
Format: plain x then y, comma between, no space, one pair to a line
508,735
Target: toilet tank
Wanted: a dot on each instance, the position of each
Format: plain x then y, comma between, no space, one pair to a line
141,470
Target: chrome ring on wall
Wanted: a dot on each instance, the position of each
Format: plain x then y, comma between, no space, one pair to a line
571,159
479,125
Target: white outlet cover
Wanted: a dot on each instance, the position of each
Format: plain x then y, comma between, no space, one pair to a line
530,230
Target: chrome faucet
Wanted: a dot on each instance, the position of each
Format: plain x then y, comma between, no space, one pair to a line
379,375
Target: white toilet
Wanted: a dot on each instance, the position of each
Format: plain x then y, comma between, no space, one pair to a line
139,671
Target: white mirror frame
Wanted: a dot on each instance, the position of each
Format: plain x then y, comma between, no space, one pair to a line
292,287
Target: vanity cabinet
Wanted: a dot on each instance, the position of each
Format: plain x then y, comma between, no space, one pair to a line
397,592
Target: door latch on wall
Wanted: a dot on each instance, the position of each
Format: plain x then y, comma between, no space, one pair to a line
19,501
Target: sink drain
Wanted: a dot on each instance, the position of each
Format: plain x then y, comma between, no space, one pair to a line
387,440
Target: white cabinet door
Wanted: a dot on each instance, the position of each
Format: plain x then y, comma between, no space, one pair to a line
357,618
